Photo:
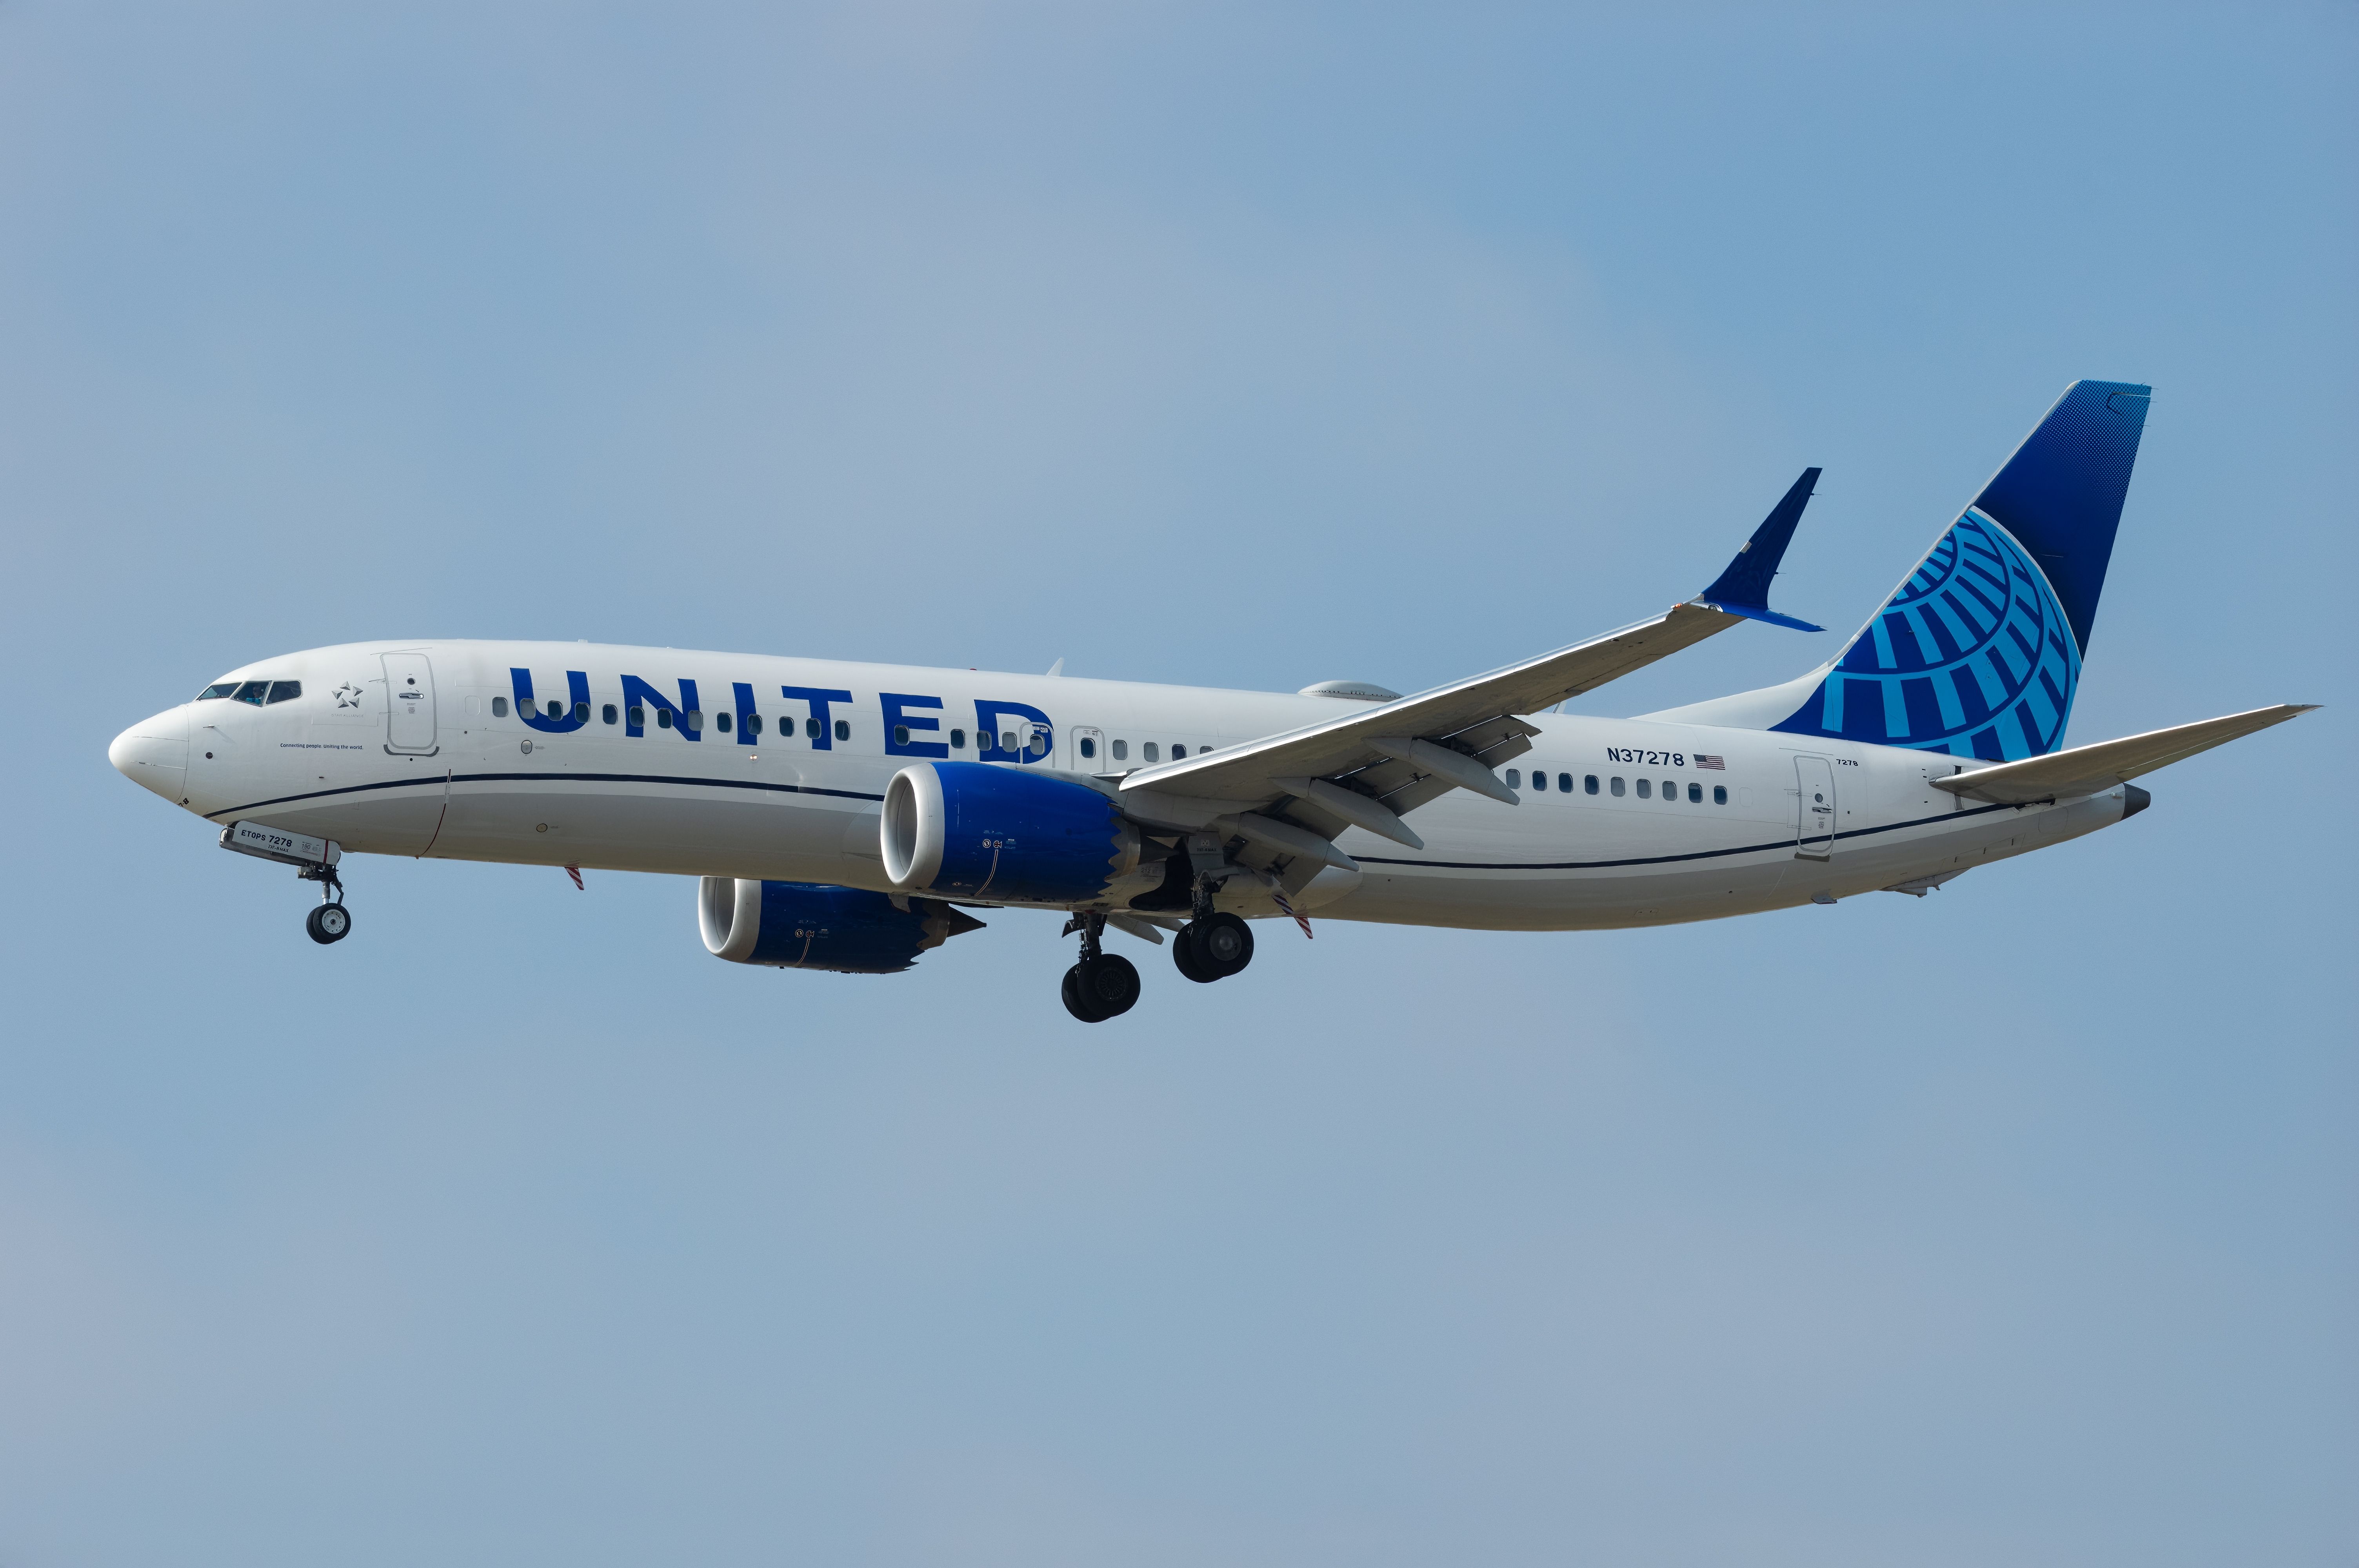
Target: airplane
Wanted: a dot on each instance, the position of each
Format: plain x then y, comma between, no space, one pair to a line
849,817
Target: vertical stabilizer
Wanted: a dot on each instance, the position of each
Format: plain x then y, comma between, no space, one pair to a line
1978,652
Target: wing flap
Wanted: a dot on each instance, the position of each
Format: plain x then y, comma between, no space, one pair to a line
2089,770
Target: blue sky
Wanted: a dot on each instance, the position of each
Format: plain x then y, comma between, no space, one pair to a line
1241,346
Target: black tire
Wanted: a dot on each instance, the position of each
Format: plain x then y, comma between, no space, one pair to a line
328,923
1223,944
1110,982
1183,955
1078,1001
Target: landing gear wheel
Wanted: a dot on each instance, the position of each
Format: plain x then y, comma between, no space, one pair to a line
1077,1002
1113,980
1101,988
1183,955
328,923
1222,944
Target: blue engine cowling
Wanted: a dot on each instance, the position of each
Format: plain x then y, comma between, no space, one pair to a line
812,925
974,830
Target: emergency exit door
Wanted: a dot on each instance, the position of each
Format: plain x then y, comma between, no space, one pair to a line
1814,831
408,704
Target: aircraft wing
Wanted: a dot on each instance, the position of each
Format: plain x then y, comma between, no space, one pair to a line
2087,769
1369,766
1473,716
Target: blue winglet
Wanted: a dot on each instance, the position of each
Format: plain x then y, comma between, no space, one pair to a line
1743,588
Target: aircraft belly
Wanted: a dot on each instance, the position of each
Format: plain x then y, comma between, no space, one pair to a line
681,830
1502,881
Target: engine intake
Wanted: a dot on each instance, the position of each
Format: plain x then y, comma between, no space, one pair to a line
814,925
971,830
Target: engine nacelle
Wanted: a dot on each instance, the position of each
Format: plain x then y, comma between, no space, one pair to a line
812,925
971,830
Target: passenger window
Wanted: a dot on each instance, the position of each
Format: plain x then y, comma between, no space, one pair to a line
1617,783
253,691
843,728
663,718
1007,740
695,717
810,728
1089,746
900,734
218,689
638,716
958,740
1564,783
609,714
721,723
1177,752
1589,784
284,690
580,713
1121,751
556,708
1671,789
1695,795
1720,795
500,708
1646,789
1514,778
753,724
1040,747
1149,752
1539,781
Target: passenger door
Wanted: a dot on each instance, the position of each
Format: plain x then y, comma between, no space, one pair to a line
1089,750
409,705
1814,829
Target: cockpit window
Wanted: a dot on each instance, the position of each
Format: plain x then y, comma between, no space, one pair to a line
220,688
285,690
254,691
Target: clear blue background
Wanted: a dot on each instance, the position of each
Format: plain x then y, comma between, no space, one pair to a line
1235,345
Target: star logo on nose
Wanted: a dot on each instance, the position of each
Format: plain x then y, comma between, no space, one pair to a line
347,696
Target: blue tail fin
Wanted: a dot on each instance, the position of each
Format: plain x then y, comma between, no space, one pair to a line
1978,653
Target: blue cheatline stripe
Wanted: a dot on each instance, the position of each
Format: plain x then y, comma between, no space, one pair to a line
1664,859
857,794
550,778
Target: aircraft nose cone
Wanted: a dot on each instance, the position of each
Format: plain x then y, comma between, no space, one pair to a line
154,754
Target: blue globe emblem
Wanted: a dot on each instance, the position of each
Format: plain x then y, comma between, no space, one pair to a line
1972,657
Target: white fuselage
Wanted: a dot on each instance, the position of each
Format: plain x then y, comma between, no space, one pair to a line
448,769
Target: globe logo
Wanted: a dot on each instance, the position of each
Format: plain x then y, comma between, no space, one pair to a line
1972,657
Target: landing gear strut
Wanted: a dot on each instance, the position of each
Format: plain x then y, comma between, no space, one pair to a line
1213,946
1103,985
330,922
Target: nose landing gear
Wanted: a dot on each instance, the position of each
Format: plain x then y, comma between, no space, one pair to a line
314,860
330,922
1103,985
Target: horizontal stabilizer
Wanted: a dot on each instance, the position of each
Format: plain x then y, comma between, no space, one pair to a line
2089,770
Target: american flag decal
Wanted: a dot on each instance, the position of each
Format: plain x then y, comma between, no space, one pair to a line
1719,764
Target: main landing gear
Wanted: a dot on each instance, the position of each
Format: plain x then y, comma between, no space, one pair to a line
1212,947
1103,985
1215,944
330,922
